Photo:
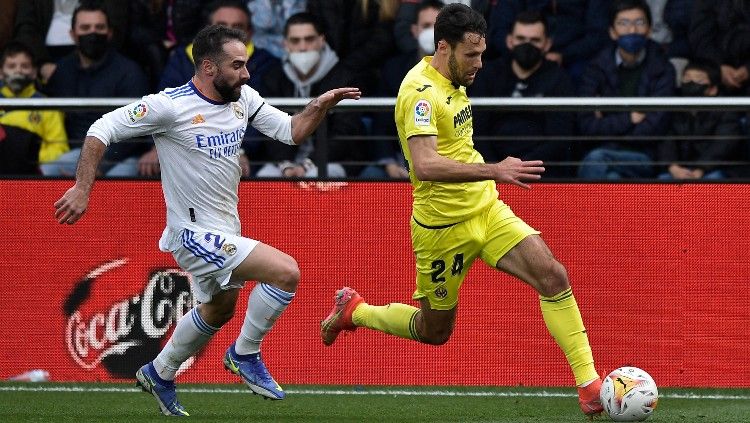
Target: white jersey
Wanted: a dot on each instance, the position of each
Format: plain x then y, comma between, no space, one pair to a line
198,142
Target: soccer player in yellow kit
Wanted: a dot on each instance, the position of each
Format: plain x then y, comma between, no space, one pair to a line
457,215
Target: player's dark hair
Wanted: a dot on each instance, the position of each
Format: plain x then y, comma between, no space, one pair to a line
304,18
13,48
89,6
429,4
621,5
456,20
234,4
531,17
710,68
209,43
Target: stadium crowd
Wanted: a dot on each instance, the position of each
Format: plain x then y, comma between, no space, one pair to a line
299,48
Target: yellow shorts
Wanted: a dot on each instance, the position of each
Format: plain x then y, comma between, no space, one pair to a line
444,255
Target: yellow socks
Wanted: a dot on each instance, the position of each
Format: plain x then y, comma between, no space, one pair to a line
395,319
564,323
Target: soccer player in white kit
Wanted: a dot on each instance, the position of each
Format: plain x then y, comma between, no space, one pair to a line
198,129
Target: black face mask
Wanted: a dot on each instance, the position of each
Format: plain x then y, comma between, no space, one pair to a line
693,89
94,46
527,55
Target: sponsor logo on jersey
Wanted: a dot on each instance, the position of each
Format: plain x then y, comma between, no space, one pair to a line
138,112
422,112
462,117
198,119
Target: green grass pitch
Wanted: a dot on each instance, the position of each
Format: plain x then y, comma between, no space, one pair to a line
99,402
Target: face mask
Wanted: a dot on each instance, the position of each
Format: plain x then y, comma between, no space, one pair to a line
17,82
693,89
93,45
632,43
527,55
303,61
426,40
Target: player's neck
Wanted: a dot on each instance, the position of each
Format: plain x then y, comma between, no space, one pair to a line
441,65
206,89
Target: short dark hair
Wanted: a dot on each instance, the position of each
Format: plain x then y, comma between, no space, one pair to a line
457,19
13,48
531,17
304,18
620,5
234,4
89,6
209,42
708,67
429,4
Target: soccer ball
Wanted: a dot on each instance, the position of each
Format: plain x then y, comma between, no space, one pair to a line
629,394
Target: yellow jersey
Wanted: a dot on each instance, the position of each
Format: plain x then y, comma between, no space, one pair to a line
429,104
48,124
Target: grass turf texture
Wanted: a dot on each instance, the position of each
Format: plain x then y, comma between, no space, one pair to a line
45,402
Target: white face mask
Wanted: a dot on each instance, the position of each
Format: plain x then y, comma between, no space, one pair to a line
426,40
303,61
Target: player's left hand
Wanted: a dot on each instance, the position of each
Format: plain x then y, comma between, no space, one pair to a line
330,98
71,206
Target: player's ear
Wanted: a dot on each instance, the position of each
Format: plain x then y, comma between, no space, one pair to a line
208,67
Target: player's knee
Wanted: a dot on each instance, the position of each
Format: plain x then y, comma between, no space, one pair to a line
217,316
288,276
440,337
554,279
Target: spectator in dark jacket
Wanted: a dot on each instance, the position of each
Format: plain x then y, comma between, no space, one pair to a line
407,15
360,32
310,68
234,14
578,28
634,66
526,73
700,159
40,21
671,25
95,70
720,32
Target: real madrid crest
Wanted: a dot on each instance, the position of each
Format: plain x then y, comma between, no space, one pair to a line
230,249
238,112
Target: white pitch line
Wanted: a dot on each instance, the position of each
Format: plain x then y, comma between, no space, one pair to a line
394,392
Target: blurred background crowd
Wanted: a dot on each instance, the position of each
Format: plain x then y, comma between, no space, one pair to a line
299,49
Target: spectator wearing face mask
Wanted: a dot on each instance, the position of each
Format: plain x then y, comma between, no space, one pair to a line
27,137
95,70
386,152
309,68
701,158
633,66
525,72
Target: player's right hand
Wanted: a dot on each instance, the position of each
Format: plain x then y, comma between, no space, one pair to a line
515,171
71,206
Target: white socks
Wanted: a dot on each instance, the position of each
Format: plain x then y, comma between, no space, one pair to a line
190,335
265,305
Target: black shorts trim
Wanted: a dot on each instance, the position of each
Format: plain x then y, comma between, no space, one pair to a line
433,227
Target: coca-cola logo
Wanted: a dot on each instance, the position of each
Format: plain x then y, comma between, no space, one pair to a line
123,333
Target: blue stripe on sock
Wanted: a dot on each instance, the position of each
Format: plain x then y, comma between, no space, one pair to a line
201,324
277,294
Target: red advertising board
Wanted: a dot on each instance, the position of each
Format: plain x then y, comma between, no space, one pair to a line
661,274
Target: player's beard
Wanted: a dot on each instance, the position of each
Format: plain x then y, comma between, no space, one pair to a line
226,91
455,71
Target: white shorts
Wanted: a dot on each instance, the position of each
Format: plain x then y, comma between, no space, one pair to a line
210,258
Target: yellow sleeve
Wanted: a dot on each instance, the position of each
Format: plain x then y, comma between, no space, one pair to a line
419,113
54,137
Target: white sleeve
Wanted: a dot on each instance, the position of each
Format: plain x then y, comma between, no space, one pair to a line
269,120
147,116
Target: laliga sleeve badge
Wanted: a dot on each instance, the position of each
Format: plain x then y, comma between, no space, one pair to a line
422,112
137,112
230,249
238,112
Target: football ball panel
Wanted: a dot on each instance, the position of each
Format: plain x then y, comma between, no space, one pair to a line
629,394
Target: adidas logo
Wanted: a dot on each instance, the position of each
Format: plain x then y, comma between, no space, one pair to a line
197,119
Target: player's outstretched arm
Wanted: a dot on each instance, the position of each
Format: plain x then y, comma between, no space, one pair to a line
515,171
305,122
71,206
